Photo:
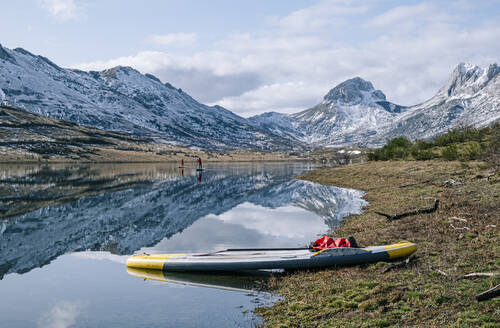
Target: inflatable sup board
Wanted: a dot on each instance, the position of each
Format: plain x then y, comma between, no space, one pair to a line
255,259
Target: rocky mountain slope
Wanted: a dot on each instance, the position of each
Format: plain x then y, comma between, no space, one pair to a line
29,137
124,100
470,97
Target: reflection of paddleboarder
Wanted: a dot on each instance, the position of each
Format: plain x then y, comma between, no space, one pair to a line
199,177
199,164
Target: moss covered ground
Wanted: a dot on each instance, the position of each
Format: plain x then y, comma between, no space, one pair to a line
461,237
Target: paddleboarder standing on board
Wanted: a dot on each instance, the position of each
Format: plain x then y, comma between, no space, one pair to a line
182,162
199,163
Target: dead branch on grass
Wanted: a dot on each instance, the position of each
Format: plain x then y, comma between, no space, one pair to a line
403,215
480,274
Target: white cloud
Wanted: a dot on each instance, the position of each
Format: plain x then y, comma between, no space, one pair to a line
407,51
63,10
173,39
62,315
324,13
401,14
289,97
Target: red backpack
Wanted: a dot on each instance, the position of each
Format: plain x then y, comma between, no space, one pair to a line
328,242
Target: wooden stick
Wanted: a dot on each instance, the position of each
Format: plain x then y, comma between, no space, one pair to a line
403,215
442,273
480,274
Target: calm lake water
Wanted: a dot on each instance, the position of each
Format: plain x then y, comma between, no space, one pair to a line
66,231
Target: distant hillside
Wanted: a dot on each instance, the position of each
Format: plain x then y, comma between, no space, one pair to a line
28,137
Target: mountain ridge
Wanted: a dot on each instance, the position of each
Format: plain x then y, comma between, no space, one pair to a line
124,100
353,113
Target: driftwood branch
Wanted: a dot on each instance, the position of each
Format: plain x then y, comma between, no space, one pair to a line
489,294
480,274
442,273
403,215
459,228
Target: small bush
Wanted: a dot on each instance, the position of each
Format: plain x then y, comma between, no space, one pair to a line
469,151
462,144
423,155
450,153
397,148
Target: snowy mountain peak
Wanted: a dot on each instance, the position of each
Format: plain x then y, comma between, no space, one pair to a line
4,55
493,71
464,76
354,91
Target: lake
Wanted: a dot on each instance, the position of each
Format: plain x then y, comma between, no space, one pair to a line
67,230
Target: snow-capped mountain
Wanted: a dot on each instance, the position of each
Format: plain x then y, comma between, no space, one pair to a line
124,100
470,97
354,113
349,114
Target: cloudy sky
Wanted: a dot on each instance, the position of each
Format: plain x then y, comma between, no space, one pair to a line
260,55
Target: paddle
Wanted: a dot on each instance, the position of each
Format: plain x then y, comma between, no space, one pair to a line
254,250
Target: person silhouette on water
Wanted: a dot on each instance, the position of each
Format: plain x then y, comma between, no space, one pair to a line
199,163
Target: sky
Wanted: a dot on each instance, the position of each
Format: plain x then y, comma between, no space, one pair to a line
255,56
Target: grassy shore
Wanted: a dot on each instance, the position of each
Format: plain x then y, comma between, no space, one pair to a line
461,237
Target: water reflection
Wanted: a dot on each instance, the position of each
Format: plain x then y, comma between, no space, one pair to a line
85,220
131,208
235,281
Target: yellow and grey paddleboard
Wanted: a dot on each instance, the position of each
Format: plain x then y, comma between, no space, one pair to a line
237,260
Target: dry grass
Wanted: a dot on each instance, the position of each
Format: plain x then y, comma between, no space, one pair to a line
419,295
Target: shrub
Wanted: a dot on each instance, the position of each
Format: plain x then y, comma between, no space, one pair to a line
450,153
458,144
397,148
469,151
423,155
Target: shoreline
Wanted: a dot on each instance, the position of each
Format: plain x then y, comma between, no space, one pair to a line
461,237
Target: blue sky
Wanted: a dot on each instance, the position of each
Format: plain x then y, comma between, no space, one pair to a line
256,56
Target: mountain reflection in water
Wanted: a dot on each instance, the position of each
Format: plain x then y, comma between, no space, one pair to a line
140,207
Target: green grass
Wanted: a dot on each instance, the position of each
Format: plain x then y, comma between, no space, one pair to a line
417,295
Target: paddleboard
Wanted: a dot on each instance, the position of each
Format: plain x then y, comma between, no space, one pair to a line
200,169
182,167
236,260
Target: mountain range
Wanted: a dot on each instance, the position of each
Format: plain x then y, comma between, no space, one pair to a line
353,113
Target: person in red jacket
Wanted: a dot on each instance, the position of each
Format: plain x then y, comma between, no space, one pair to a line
199,163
